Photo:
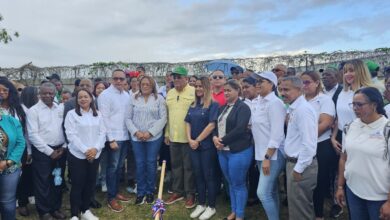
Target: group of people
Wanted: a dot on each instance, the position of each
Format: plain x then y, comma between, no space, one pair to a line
324,135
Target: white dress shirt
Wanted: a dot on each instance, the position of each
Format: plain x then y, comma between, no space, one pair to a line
84,132
387,110
114,105
252,105
44,127
302,133
331,92
323,104
268,125
345,113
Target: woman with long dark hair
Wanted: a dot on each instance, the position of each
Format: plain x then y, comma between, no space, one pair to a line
86,133
28,98
364,171
12,145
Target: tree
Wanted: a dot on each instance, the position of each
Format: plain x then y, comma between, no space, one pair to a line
6,37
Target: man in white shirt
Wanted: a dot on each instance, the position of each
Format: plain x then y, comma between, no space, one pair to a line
330,81
300,148
44,125
113,105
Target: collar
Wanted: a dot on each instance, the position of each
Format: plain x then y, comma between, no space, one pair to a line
115,90
43,105
297,102
373,124
269,97
218,93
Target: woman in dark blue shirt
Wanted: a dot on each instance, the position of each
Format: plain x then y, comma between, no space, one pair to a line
200,123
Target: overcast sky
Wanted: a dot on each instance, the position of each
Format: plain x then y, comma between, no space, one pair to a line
71,32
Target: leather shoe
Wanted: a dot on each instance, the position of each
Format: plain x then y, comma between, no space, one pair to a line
95,204
23,211
46,216
58,214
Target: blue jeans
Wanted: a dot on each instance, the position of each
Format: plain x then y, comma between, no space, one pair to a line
145,154
101,177
268,188
115,161
361,209
8,185
234,167
204,165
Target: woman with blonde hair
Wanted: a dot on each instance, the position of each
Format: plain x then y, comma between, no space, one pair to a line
145,121
355,76
200,123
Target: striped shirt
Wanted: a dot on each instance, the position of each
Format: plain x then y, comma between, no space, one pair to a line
148,116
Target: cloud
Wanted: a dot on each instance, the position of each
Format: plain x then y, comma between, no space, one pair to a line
86,31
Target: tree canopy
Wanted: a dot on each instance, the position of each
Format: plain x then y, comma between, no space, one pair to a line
5,35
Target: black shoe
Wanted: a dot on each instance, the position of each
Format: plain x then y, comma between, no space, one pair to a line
23,211
252,202
46,216
95,204
140,200
149,199
58,215
336,211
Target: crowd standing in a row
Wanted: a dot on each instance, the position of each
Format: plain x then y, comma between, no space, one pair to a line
326,138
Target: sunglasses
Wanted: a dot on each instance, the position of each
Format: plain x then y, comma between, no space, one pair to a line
218,77
118,78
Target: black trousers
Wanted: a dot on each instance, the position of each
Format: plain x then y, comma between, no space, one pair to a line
83,174
253,180
327,160
25,185
48,197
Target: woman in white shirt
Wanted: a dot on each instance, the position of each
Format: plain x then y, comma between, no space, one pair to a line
364,168
325,109
267,129
86,133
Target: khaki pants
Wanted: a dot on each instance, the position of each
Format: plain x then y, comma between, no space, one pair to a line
300,194
182,173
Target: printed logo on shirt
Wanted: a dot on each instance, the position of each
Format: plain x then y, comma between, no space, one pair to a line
376,135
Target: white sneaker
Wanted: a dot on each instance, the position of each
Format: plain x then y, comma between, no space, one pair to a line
87,215
104,188
198,210
31,200
208,213
131,189
74,218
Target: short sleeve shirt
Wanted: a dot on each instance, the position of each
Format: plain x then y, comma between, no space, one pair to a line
199,117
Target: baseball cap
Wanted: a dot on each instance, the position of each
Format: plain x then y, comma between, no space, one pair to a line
180,71
372,66
269,76
54,76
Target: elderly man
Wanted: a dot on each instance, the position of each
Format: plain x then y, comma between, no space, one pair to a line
300,148
44,126
330,81
280,70
114,104
179,100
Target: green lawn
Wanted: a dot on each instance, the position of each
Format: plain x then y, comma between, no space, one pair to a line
175,211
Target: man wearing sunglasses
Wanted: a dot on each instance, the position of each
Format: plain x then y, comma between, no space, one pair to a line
218,80
114,105
179,100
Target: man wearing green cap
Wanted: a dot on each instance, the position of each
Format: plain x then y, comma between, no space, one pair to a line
179,100
374,69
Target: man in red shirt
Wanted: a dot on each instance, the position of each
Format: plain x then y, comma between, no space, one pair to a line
218,81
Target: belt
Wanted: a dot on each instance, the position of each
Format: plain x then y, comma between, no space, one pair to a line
294,160
56,146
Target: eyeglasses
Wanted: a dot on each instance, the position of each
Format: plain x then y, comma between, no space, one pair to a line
218,77
118,78
306,82
358,104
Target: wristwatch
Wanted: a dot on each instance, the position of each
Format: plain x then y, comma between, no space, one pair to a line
267,157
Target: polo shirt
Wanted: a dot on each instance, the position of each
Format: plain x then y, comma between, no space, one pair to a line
178,104
199,117
220,98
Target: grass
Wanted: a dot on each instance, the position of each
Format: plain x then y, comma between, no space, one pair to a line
176,211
